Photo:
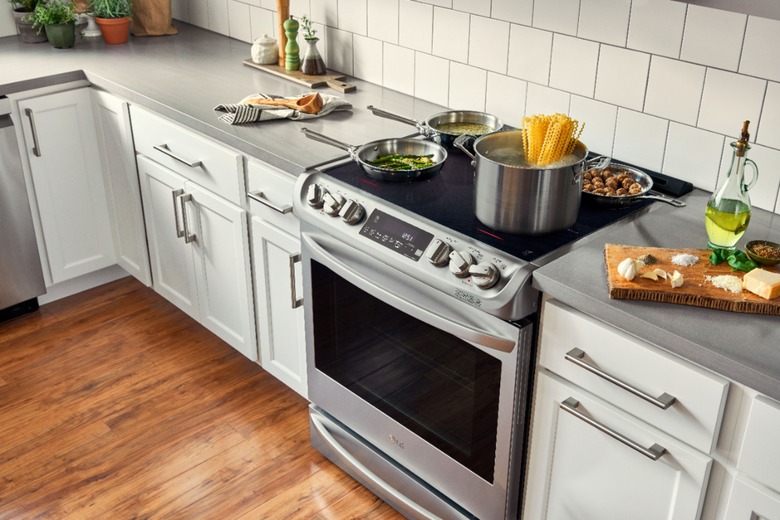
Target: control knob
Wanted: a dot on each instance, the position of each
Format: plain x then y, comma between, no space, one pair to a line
314,195
460,261
484,274
332,203
438,253
352,212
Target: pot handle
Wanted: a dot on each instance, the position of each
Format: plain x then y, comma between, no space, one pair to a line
316,136
598,162
460,143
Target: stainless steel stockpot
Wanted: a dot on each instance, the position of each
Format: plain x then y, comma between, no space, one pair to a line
512,196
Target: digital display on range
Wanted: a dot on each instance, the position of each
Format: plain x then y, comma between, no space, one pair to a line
396,234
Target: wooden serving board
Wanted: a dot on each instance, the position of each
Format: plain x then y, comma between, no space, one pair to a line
697,289
331,79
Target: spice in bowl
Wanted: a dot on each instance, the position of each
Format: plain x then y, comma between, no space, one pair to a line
763,252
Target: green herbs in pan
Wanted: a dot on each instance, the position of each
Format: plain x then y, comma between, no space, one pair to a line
399,161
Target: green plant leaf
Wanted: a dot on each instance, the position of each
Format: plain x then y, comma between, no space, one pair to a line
738,260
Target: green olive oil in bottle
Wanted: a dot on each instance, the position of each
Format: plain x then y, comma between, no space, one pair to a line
728,211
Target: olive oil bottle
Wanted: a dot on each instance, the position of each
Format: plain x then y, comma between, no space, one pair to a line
728,211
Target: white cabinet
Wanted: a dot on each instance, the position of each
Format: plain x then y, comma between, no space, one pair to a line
196,227
112,119
276,251
749,501
64,159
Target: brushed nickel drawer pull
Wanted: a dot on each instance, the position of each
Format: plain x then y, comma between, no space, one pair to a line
179,231
262,199
654,452
36,147
294,300
163,148
663,401
188,237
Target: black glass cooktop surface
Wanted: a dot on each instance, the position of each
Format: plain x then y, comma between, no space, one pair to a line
447,199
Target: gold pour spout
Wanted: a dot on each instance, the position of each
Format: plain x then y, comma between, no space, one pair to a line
742,144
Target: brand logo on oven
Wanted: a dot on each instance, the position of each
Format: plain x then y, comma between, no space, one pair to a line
394,440
471,299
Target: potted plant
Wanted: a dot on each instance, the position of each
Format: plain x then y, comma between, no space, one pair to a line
113,18
23,8
58,19
312,63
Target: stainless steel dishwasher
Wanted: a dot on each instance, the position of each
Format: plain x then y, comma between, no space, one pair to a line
21,277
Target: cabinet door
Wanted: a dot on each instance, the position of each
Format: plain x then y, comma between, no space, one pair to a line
749,501
173,269
118,158
577,471
279,314
60,137
224,279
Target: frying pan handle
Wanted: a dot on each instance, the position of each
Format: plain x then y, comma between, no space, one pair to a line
460,143
421,127
657,196
311,134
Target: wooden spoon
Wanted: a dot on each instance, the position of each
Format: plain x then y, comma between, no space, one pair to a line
310,104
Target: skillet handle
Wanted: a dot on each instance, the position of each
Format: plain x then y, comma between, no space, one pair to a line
657,196
460,143
389,115
316,136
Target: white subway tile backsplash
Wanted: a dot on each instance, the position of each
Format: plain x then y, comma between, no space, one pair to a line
438,3
761,49
557,15
604,21
398,68
415,22
657,27
622,77
769,126
764,192
693,155
268,4
506,98
468,87
531,66
640,139
674,90
545,100
431,78
262,22
450,34
488,44
324,12
383,20
367,58
722,110
339,50
480,7
713,37
239,21
599,119
516,11
353,16
218,17
573,66
199,13
299,8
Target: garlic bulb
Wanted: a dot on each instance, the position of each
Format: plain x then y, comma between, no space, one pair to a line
627,269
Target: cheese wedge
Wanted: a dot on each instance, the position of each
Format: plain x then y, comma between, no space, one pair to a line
765,284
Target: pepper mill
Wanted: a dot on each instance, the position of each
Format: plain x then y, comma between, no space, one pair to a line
292,60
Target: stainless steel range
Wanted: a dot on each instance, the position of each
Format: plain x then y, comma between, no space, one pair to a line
420,337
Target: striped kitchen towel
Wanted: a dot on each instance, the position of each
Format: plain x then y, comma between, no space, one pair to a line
241,113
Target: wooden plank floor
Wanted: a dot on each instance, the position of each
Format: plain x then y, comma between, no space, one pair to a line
114,404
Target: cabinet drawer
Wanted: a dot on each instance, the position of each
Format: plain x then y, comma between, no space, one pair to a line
199,159
760,456
270,195
630,374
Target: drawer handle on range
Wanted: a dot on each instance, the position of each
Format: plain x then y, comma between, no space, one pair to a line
36,147
654,452
163,148
188,237
294,300
663,401
259,197
179,231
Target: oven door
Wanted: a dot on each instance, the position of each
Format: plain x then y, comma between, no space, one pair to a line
428,380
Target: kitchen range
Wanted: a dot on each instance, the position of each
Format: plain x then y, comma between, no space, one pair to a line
420,329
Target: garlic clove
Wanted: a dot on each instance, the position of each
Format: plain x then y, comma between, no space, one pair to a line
677,279
652,275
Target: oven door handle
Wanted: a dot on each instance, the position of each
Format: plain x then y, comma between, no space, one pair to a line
460,324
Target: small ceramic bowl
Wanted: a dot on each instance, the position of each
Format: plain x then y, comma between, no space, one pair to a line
749,249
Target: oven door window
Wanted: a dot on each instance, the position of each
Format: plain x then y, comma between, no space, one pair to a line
433,383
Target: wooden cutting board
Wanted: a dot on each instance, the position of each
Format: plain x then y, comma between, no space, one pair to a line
697,289
331,79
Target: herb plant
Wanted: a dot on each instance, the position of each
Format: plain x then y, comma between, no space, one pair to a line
738,260
51,13
23,6
309,32
111,8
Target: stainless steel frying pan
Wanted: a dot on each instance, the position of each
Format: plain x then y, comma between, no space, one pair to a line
643,179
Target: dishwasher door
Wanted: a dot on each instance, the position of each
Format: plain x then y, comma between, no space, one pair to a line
21,277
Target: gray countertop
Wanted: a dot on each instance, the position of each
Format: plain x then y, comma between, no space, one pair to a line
184,77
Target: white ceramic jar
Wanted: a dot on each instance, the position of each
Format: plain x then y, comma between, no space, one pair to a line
265,50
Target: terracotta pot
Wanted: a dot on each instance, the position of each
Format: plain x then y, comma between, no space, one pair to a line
115,30
61,35
26,31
